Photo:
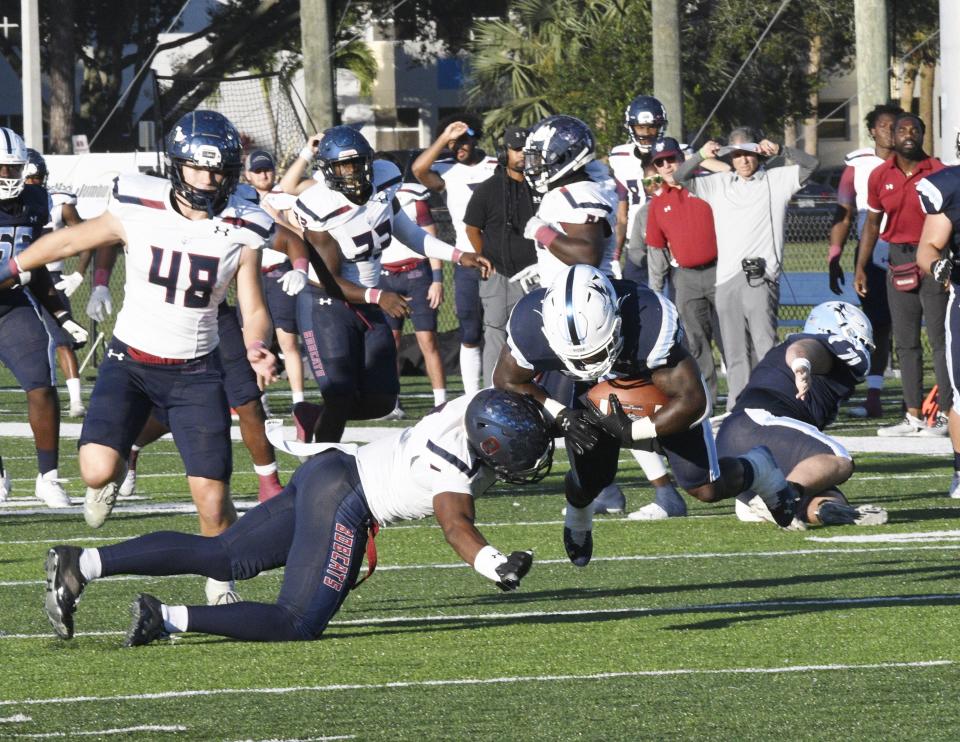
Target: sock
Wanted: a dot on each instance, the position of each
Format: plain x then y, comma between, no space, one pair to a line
578,519
269,481
174,618
651,463
46,459
875,381
90,566
296,397
73,389
471,369
439,397
132,458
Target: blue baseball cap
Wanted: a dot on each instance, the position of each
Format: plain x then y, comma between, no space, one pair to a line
260,159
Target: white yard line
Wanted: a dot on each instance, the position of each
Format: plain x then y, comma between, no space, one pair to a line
477,681
98,732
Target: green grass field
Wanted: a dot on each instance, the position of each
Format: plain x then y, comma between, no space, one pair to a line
694,628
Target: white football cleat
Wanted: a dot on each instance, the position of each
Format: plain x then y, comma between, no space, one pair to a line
129,484
650,511
51,492
4,486
98,503
221,593
751,509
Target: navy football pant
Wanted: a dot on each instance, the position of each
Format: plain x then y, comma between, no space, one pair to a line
317,527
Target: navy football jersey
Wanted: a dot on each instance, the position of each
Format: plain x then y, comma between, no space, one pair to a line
940,194
772,385
650,328
21,222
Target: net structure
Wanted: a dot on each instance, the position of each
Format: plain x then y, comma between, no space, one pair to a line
262,107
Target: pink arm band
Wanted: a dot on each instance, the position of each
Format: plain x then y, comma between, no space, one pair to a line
545,235
300,264
101,277
372,296
835,252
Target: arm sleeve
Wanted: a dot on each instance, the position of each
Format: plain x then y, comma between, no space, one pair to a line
419,241
684,174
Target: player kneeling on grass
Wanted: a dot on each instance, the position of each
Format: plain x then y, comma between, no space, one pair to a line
585,327
318,526
793,394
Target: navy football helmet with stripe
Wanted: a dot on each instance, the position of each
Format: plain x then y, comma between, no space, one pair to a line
36,167
555,148
346,161
204,139
581,321
13,154
645,110
510,434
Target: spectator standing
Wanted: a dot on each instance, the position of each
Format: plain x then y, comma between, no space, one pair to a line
495,217
749,210
680,222
913,297
852,204
458,174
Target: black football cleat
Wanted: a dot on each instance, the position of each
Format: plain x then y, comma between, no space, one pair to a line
147,624
579,546
65,583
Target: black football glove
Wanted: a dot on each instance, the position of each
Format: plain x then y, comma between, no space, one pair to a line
578,428
514,569
837,278
941,270
619,425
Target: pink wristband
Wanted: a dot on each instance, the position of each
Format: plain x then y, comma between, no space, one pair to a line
545,235
455,257
372,296
257,345
14,267
101,277
300,264
834,252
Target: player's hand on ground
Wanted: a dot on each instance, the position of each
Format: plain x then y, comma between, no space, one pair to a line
100,305
263,362
435,294
69,283
293,281
578,428
393,304
514,569
472,260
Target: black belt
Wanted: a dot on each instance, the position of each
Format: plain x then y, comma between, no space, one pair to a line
703,267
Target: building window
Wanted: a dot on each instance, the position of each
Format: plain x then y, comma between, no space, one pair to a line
833,119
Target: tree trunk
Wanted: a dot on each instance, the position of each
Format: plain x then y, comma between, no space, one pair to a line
907,85
813,71
927,75
62,60
790,133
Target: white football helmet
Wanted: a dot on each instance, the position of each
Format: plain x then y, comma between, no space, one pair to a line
841,319
581,321
13,151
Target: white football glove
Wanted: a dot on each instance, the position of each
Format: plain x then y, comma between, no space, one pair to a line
100,305
534,223
293,282
77,332
616,269
69,283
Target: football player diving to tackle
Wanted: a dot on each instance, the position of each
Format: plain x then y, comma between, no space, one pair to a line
588,328
792,395
318,526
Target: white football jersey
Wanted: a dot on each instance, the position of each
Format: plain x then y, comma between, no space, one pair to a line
582,202
363,231
863,161
401,473
409,195
178,269
57,200
460,181
278,201
628,171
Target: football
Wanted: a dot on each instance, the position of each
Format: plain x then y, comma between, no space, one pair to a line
639,397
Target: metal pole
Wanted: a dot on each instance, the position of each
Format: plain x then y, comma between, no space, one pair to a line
32,91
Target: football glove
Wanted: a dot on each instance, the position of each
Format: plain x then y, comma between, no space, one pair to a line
835,270
578,428
293,282
100,305
514,569
619,425
79,335
941,270
69,283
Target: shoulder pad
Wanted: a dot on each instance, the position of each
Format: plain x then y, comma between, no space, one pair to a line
386,178
142,190
247,192
245,215
622,150
321,209
862,152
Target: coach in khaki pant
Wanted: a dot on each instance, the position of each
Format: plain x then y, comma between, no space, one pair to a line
749,208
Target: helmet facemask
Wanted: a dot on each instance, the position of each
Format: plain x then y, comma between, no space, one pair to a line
351,176
11,187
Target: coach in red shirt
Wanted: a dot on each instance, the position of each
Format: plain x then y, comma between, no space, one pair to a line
680,222
913,297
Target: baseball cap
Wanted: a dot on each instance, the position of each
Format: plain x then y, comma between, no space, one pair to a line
260,159
742,139
666,147
515,137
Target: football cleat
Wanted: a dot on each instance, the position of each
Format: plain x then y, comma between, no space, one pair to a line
668,503
769,482
98,503
220,593
147,624
5,485
65,583
954,486
578,545
305,416
129,484
833,513
51,492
